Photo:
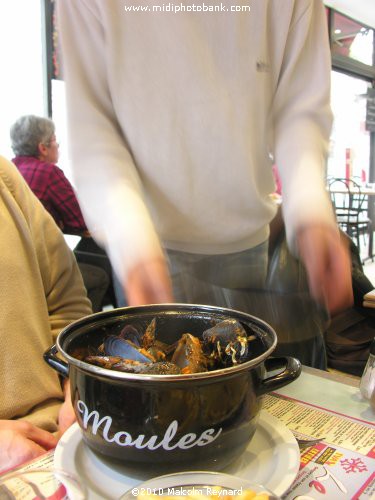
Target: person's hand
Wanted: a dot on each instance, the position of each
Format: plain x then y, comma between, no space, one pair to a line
328,265
21,441
66,414
149,283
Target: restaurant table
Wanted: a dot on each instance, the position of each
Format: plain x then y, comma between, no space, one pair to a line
332,390
343,465
332,399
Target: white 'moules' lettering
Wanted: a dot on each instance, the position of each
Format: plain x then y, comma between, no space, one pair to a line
123,438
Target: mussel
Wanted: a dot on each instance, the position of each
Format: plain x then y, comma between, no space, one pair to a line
225,344
189,355
132,366
118,346
129,332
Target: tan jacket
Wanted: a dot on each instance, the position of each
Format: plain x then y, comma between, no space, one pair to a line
41,291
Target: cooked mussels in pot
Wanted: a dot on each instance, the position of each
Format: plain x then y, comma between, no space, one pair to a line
225,344
192,388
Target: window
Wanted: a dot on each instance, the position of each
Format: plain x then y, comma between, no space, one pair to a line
352,39
21,53
350,141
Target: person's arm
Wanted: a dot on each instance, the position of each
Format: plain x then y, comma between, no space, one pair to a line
302,121
63,198
110,189
65,294
327,261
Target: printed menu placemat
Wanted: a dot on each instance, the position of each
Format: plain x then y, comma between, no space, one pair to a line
342,466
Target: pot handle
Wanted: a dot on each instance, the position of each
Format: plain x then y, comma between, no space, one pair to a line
56,363
292,370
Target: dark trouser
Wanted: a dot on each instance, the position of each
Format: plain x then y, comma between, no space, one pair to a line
88,252
273,288
96,282
209,279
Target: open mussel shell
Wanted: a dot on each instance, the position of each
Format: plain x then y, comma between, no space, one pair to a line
225,331
223,345
129,332
189,355
227,343
117,346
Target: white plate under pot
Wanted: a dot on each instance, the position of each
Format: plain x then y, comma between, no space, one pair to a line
271,459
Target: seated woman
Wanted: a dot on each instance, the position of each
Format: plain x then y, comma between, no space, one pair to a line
41,293
37,152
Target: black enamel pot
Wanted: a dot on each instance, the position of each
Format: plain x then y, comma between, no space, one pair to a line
190,421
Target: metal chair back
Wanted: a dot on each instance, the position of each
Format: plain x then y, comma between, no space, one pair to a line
351,207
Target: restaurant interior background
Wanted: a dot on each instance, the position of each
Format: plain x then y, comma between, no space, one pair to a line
31,81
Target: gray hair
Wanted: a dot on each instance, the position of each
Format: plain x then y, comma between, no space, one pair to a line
28,132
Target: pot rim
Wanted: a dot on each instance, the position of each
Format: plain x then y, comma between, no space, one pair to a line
173,308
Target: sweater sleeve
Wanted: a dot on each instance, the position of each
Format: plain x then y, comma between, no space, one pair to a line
303,119
108,184
65,293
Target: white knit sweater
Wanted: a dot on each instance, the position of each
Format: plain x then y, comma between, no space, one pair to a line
173,117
